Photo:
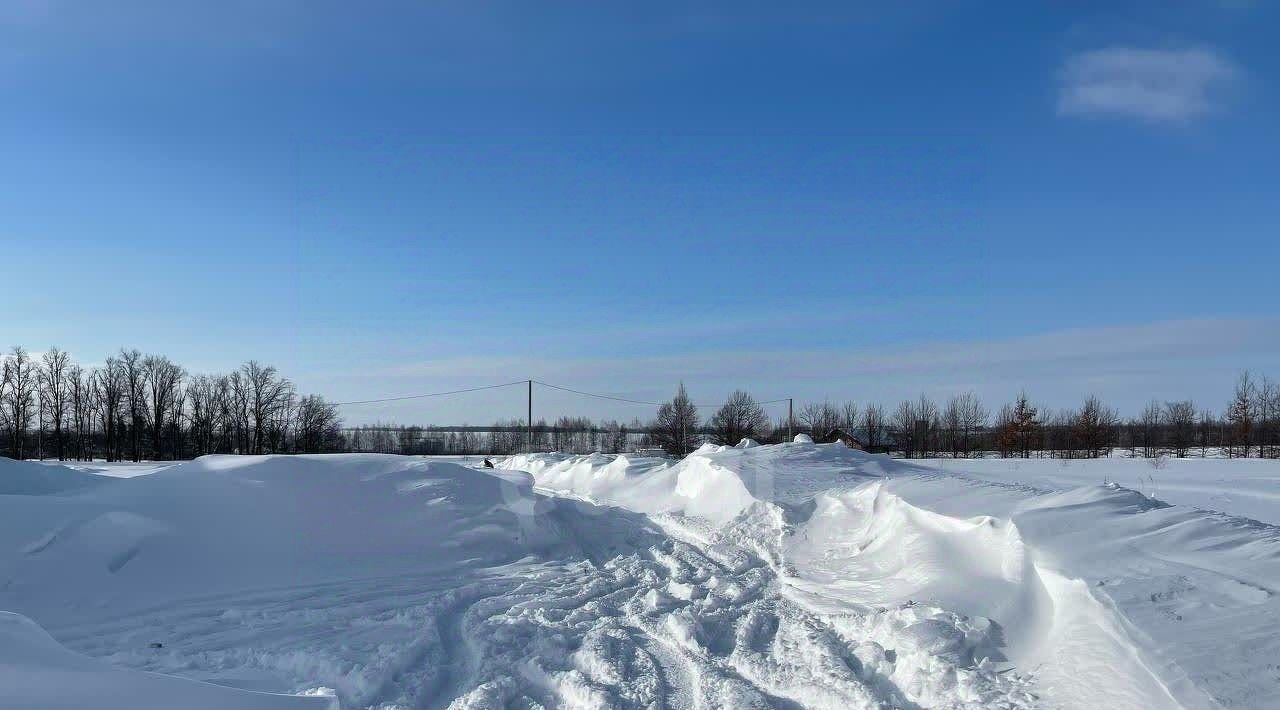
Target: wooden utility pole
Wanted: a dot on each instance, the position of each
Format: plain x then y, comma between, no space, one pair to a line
791,419
529,421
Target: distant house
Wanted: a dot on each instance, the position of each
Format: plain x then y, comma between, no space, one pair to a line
847,438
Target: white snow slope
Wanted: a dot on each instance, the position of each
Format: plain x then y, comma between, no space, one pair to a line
31,478
1096,596
795,575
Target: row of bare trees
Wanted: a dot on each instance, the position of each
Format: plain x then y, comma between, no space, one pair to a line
136,406
964,427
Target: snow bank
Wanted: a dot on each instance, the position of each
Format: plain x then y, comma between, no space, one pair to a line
37,672
223,523
35,479
1106,596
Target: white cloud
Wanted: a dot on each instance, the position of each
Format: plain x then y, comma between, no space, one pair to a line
1157,85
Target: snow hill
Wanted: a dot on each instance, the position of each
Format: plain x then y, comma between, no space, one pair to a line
794,575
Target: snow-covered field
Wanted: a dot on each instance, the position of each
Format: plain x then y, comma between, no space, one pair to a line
795,575
1246,487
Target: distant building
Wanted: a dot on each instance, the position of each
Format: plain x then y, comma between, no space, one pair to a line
849,439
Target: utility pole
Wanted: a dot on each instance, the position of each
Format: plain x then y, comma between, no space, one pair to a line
529,421
791,419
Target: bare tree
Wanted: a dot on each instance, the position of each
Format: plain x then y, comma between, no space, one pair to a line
819,418
1095,426
53,387
316,425
1266,407
1240,414
108,392
904,425
202,395
18,398
1180,419
1149,429
163,379
1208,422
850,417
741,417
675,428
135,393
266,393
81,416
1018,427
873,424
973,419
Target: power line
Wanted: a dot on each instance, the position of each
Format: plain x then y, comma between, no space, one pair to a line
633,401
521,382
432,394
598,396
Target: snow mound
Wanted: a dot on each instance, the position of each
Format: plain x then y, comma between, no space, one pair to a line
803,439
747,443
223,523
35,479
37,672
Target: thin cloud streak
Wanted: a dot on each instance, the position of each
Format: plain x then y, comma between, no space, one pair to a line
1155,341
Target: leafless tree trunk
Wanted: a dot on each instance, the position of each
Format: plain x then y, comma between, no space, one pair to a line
163,379
135,395
52,378
18,397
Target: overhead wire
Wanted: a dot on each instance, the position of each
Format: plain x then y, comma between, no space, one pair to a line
571,390
432,394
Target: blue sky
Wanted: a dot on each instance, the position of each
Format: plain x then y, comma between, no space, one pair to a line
854,200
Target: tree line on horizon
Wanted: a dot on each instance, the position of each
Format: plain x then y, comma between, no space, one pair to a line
961,427
136,407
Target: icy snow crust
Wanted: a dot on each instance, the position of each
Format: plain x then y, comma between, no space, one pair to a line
792,575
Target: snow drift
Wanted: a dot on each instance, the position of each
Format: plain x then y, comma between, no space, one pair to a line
1101,595
748,576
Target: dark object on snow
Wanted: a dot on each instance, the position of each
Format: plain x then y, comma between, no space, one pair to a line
850,440
488,463
155,644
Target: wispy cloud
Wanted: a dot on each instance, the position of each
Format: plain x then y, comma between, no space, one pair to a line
1157,85
1126,364
1096,349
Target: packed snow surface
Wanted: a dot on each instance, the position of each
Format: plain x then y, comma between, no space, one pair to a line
791,575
